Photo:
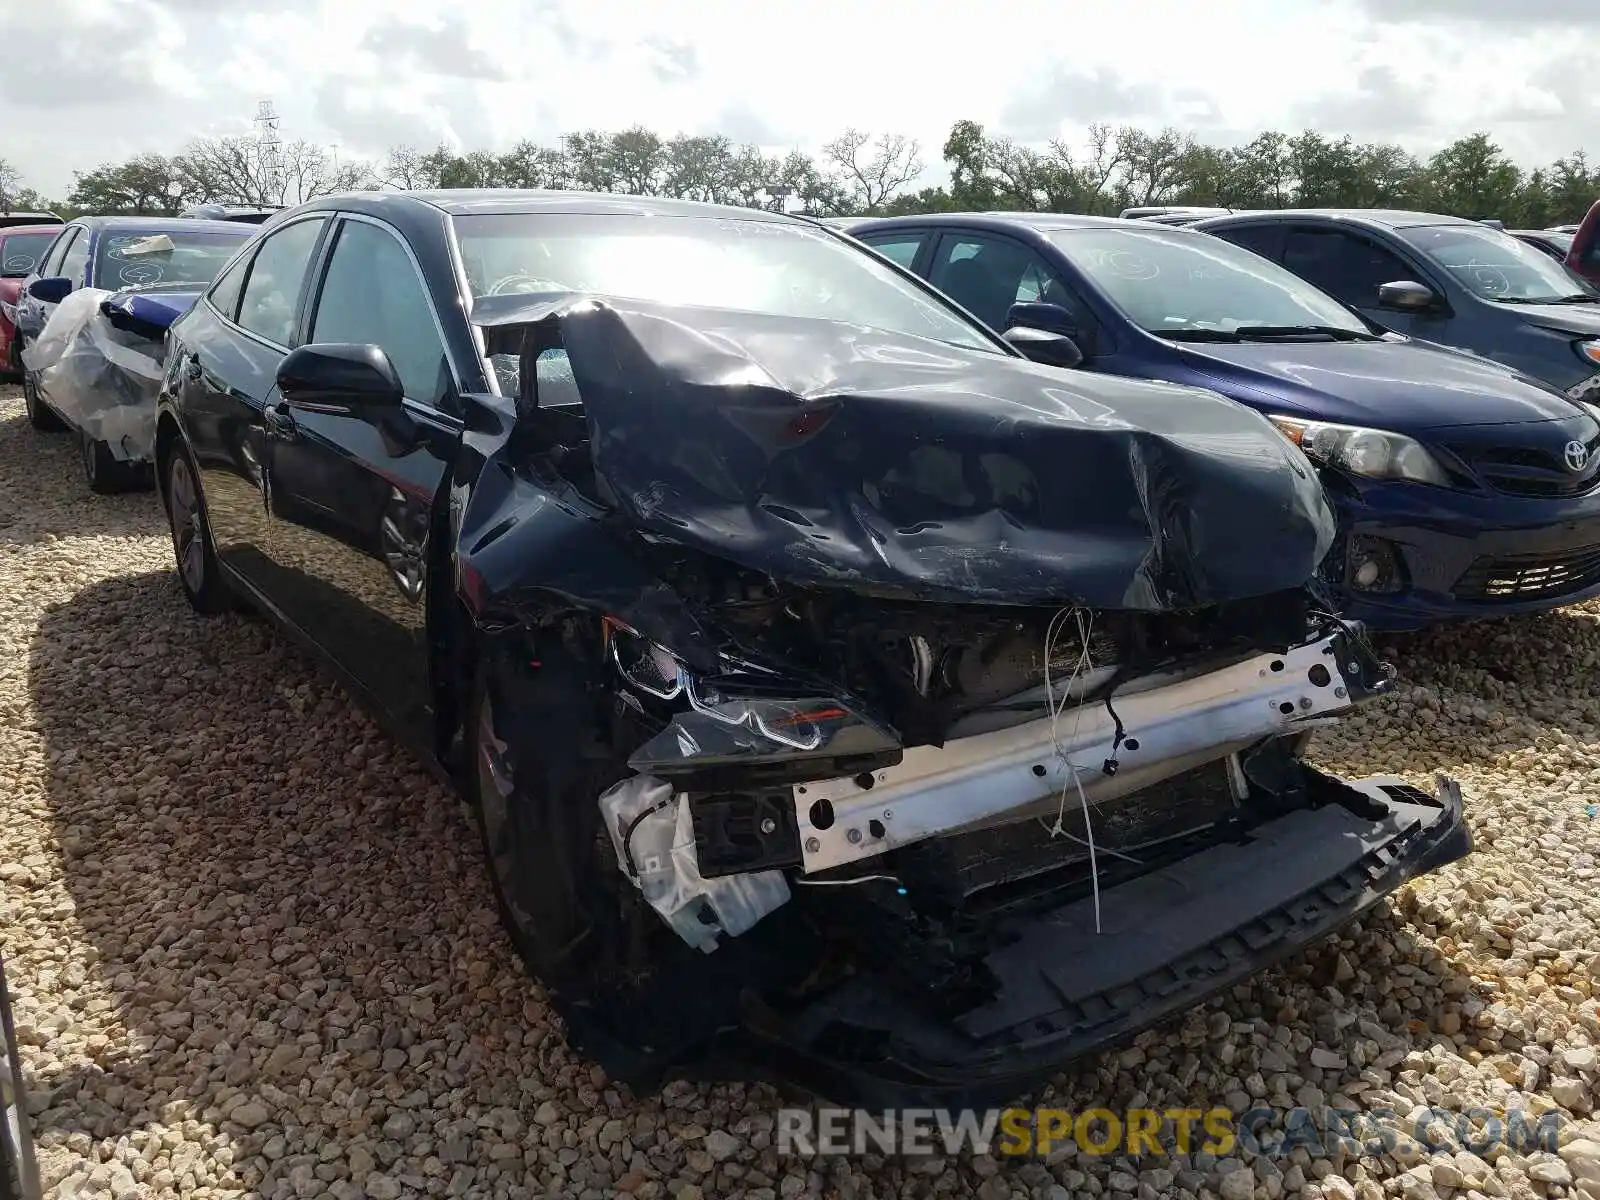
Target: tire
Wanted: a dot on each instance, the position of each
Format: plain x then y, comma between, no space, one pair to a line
192,547
40,415
106,474
577,923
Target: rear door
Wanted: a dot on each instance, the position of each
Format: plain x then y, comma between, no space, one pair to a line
229,347
351,493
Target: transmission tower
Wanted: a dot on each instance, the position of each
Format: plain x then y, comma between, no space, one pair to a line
269,146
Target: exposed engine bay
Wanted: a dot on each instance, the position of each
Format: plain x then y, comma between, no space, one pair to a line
1057,755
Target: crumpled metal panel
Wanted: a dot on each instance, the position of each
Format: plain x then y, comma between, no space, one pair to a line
102,379
831,454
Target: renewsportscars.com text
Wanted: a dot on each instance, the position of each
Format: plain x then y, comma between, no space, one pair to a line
1269,1132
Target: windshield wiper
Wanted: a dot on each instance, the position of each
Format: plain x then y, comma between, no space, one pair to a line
1336,332
1249,333
1571,298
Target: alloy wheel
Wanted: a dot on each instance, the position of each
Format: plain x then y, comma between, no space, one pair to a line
183,511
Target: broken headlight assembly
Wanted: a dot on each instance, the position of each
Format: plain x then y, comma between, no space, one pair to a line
745,716
1372,453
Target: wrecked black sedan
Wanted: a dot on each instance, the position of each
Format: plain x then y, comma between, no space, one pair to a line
844,697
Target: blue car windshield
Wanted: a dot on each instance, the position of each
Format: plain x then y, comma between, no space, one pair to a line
1172,281
141,259
783,269
1496,265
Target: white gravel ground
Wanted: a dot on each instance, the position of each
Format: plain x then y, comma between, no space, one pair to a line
253,949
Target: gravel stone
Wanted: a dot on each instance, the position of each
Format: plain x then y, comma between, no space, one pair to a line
253,951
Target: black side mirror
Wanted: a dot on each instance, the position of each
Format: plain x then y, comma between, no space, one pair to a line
1052,349
52,289
340,376
1406,295
1051,318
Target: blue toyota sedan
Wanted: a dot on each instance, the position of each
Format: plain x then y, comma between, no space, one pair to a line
1463,488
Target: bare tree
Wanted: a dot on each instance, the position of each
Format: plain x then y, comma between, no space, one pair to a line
10,184
408,168
869,172
236,170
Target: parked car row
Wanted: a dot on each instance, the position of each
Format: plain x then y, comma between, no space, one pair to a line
131,277
878,658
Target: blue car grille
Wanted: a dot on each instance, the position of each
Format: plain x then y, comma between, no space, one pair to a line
1512,578
1531,471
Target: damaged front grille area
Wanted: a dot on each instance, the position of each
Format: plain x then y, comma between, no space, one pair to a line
997,866
1006,806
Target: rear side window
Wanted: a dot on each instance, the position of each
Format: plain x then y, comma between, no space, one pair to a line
224,294
1343,265
272,289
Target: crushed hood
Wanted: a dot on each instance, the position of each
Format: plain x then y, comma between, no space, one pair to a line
831,454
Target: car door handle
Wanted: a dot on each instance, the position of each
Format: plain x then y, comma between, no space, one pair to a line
280,424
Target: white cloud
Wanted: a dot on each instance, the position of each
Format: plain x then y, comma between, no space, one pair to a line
115,77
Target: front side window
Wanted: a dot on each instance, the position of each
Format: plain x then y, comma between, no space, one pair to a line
1177,283
272,289
58,251
986,276
767,267
1265,240
140,259
21,253
1495,265
76,258
1343,264
899,247
372,295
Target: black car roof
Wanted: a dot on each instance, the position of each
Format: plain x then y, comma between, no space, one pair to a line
1391,218
475,201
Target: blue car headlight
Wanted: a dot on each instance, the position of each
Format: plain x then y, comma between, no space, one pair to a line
1372,453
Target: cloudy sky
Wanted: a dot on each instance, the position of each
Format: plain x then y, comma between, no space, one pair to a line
89,81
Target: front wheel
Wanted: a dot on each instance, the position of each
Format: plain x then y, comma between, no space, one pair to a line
191,537
40,415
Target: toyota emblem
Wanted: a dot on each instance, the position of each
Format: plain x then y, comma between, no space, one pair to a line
1577,456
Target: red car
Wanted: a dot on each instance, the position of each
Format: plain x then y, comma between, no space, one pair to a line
22,249
1584,257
